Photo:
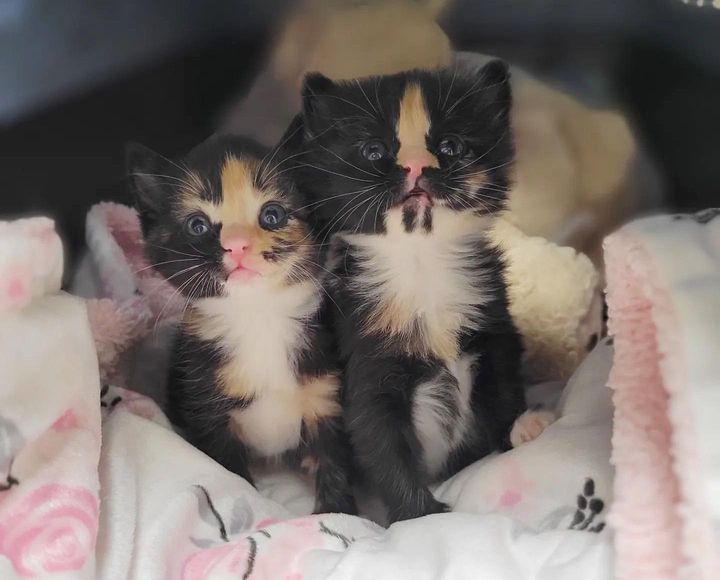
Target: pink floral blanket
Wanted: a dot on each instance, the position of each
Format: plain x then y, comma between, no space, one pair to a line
95,484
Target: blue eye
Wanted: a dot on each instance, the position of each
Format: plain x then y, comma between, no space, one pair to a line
197,225
273,216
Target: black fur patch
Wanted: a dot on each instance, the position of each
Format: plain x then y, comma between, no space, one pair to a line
427,220
409,215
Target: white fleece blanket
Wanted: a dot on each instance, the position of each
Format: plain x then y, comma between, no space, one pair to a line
95,484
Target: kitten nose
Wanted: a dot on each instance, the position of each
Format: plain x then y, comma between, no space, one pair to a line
235,248
414,169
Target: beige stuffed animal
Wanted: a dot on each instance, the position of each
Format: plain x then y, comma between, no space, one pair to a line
554,300
347,39
342,39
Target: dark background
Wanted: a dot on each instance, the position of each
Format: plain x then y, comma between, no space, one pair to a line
78,78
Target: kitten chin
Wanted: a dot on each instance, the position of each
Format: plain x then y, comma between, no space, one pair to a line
407,172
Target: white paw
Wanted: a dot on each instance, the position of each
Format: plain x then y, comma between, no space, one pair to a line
529,426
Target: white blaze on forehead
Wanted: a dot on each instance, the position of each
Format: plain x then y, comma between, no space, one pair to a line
413,126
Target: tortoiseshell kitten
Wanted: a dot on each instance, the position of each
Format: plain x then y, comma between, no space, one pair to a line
255,373
407,172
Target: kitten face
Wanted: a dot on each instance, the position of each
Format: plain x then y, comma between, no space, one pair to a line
220,218
405,148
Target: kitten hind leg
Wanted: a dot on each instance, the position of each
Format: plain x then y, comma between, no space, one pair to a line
387,449
333,462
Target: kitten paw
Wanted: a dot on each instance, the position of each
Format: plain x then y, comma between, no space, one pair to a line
343,504
529,426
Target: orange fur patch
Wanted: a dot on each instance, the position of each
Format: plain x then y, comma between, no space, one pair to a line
319,399
412,128
233,384
395,318
239,207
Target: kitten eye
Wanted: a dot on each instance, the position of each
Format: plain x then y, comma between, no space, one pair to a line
374,150
273,216
452,146
197,225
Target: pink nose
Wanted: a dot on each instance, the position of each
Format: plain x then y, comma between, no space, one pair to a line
414,168
235,249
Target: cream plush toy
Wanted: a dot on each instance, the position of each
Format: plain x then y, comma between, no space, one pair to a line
555,302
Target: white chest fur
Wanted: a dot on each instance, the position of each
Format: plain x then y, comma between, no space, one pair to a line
423,279
442,414
261,330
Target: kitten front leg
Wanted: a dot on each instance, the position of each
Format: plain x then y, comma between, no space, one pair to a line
197,405
333,479
379,419
500,385
216,439
206,425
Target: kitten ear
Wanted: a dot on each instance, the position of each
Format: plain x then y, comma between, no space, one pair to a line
147,173
315,85
315,104
496,96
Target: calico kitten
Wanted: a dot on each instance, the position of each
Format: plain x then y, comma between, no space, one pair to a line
407,172
255,372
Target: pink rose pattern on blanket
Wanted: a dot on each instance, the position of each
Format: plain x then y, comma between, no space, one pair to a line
271,548
53,529
264,552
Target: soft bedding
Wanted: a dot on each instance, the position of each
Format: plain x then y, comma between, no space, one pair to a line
95,484
664,299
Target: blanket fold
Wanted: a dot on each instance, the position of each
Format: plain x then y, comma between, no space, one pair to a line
663,293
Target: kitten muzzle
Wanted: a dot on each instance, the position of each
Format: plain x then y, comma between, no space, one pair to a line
417,195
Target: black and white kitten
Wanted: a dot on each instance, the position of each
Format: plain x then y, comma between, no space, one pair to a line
255,371
407,172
